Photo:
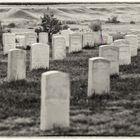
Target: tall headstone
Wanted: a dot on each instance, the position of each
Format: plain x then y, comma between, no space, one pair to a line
107,39
124,51
98,76
110,39
98,38
58,47
8,42
43,37
88,39
31,38
16,64
111,53
75,42
65,34
133,42
136,32
55,96
20,41
39,57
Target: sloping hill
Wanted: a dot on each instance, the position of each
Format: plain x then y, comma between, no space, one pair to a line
19,13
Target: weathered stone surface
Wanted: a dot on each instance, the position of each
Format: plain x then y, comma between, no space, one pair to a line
39,56
111,53
20,41
43,37
124,51
65,34
133,42
20,30
98,76
58,47
88,39
136,32
16,64
31,38
8,42
75,42
55,100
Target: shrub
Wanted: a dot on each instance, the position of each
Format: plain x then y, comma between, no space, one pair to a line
70,22
132,22
38,30
11,25
95,26
113,19
64,27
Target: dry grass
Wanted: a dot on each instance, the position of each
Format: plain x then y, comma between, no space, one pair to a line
115,114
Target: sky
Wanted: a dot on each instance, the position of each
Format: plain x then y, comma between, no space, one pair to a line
10,1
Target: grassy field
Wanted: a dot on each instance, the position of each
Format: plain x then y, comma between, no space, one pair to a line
114,114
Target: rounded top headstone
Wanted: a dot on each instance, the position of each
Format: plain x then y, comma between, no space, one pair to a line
99,59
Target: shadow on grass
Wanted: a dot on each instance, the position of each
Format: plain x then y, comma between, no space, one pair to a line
134,67
127,84
97,103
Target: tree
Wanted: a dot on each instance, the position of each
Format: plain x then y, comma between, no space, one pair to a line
50,24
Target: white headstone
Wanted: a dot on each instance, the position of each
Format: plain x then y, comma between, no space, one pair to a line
8,42
75,42
20,30
43,37
107,39
58,47
20,41
16,64
98,76
136,32
97,38
111,53
39,56
65,34
28,33
88,39
124,51
133,42
55,96
110,39
31,38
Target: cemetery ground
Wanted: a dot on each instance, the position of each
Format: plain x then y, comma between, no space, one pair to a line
114,114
